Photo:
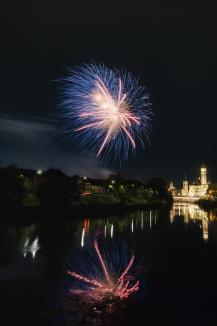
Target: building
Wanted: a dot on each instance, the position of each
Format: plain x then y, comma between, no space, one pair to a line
192,191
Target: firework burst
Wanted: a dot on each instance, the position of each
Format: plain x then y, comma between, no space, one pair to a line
107,279
105,110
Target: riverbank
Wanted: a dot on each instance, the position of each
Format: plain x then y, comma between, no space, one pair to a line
58,212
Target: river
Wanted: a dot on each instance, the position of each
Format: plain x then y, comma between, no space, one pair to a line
177,247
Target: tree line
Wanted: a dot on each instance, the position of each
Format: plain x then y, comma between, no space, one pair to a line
22,187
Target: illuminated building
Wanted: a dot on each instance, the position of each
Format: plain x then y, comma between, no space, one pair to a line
192,191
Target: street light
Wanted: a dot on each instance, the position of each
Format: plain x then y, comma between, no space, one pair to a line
38,173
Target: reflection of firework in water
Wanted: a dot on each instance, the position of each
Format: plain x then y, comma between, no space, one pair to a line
108,278
107,109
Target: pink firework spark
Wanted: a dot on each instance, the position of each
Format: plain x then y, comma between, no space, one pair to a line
119,286
110,113
106,110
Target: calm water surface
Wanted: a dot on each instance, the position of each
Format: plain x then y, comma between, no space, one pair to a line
179,249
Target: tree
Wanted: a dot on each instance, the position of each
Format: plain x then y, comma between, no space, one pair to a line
12,190
212,191
160,188
77,187
55,190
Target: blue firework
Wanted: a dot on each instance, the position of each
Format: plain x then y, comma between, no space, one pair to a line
105,110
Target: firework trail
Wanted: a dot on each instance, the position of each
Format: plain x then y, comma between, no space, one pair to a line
105,110
108,276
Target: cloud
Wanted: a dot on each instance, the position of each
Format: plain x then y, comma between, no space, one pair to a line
19,126
30,143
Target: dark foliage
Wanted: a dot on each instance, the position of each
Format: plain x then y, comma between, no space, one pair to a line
55,189
160,187
12,189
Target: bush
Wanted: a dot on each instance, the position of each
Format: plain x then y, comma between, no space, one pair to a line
12,189
99,199
55,190
132,200
31,200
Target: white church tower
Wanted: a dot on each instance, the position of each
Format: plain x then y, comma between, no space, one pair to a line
203,180
203,175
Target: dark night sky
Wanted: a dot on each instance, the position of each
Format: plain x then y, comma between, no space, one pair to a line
171,46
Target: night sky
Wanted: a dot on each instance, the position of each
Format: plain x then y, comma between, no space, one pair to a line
171,47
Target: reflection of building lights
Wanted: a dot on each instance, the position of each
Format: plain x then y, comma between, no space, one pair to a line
25,247
132,226
142,221
150,219
205,224
112,230
155,218
105,230
191,212
32,248
86,224
82,237
205,236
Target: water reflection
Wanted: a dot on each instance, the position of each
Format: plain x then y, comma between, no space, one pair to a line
170,242
82,237
19,240
31,247
191,212
47,243
115,226
112,230
19,247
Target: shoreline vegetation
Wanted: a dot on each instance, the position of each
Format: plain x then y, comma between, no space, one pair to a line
52,190
208,204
